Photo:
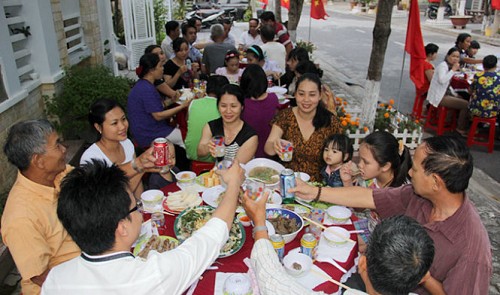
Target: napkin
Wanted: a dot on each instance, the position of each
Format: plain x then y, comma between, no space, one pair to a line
328,221
339,253
312,280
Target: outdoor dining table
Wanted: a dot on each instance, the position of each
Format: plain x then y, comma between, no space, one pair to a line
235,264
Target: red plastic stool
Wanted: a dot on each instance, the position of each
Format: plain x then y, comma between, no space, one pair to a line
491,136
436,119
418,105
199,167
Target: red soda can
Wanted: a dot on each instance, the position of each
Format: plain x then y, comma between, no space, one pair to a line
160,151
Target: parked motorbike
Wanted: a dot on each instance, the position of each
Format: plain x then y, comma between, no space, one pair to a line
209,16
433,7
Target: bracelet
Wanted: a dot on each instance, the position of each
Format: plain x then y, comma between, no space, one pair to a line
318,195
258,228
135,167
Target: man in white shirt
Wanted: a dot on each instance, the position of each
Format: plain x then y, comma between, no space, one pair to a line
397,260
273,50
228,38
103,218
250,37
172,28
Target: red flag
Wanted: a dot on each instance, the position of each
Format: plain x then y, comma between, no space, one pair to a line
318,10
415,45
285,3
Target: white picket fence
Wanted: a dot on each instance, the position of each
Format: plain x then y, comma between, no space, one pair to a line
411,139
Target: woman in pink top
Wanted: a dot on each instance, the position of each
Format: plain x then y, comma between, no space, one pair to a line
260,106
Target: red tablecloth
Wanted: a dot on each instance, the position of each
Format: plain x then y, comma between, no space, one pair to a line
235,263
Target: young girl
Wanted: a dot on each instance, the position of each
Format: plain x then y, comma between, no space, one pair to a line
337,151
384,162
232,67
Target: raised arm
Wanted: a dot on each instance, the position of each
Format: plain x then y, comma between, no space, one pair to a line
233,177
206,146
357,197
272,146
247,151
163,115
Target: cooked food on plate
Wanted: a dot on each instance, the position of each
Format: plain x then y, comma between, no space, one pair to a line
160,244
193,219
181,200
210,179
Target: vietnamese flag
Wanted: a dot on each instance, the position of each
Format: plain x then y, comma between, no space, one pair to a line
286,4
318,9
415,46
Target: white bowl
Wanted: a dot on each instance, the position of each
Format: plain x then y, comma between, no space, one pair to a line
297,264
244,219
263,162
339,214
238,284
334,239
186,177
152,200
274,212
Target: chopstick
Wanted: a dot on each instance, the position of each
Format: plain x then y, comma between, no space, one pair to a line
324,227
168,213
330,279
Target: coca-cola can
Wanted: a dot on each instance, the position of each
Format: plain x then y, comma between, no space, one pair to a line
161,152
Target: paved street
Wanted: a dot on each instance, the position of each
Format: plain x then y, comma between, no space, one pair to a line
344,46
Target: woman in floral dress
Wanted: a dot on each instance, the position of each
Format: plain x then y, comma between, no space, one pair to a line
485,90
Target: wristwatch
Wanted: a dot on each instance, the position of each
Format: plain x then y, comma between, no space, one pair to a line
258,228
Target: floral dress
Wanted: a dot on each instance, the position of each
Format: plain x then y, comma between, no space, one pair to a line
485,91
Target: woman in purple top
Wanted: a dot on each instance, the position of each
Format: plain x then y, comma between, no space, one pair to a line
148,119
260,106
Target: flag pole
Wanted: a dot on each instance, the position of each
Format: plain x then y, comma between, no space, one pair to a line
309,36
401,78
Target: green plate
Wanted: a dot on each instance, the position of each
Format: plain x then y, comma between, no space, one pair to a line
138,248
299,209
185,225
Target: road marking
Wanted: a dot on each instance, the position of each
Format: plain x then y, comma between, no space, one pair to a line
361,31
400,44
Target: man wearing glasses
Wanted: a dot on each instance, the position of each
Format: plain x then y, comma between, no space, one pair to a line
103,218
30,228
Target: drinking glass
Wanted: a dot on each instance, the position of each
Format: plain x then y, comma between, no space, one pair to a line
254,188
220,147
286,150
316,215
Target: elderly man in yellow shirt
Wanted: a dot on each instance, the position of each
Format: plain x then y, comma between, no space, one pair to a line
30,228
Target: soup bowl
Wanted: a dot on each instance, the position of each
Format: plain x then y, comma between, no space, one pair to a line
264,167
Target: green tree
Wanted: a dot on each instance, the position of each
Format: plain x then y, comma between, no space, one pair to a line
160,13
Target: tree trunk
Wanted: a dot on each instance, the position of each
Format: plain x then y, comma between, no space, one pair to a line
381,32
294,17
277,10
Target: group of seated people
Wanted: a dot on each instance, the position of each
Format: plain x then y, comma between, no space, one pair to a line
481,98
70,230
73,228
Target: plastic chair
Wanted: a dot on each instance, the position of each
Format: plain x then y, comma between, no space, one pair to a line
436,119
418,105
198,167
471,139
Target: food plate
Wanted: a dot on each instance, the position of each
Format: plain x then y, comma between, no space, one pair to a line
186,94
168,209
313,205
192,219
211,197
140,246
277,90
199,180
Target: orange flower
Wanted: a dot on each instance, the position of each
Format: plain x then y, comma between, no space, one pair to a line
338,99
344,123
417,121
365,129
386,115
399,120
345,103
389,107
357,119
391,101
348,115
381,105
